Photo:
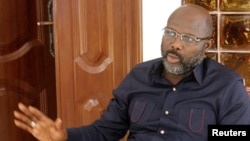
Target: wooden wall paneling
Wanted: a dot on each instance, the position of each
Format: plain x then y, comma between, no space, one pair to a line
24,64
97,43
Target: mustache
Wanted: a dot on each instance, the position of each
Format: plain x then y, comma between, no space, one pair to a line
172,52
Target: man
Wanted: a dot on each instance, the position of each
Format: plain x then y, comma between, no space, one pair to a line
171,98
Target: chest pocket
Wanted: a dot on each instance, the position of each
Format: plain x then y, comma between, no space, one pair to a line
141,111
196,120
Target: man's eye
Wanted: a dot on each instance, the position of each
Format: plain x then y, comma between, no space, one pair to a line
172,34
188,38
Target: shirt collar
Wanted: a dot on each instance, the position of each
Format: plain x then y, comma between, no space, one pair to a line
199,71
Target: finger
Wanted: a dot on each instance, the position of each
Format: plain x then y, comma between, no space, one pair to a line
23,126
58,133
31,112
22,118
38,130
24,109
35,112
28,117
59,124
39,115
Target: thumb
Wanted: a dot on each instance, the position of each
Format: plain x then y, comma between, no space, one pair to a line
59,132
59,124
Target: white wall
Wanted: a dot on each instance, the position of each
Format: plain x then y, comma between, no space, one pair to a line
154,18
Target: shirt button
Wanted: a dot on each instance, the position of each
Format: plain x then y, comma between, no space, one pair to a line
162,132
166,112
174,89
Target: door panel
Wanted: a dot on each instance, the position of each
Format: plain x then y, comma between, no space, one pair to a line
97,42
27,72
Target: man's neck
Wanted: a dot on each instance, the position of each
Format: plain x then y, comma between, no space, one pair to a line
173,78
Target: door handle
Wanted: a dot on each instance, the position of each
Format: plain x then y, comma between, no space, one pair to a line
49,24
42,23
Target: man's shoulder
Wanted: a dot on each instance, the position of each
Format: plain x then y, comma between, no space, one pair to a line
149,64
219,68
156,61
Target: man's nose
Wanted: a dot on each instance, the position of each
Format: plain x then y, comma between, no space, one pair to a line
177,42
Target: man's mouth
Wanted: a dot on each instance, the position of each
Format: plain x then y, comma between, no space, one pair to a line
172,58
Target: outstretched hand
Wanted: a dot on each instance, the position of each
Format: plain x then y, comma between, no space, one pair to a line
39,125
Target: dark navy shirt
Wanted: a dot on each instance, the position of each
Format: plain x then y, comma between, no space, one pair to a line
152,109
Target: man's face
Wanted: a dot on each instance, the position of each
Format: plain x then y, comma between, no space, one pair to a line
185,39
180,50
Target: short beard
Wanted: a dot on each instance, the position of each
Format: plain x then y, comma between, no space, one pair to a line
186,64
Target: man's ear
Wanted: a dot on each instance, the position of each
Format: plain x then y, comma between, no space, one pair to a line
209,44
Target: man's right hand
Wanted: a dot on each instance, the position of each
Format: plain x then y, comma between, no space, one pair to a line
39,125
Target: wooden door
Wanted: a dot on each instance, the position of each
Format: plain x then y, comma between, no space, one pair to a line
27,72
97,42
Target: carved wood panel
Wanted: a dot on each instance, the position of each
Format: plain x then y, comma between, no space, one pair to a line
97,43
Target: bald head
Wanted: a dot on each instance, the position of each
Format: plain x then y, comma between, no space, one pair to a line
193,16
